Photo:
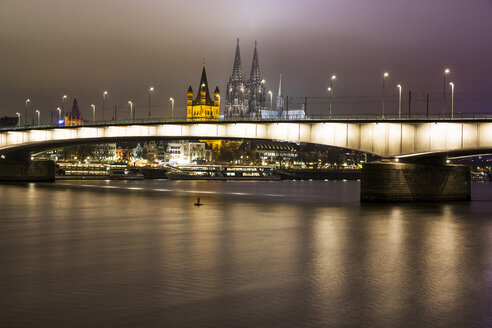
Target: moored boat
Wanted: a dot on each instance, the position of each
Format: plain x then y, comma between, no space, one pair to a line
222,172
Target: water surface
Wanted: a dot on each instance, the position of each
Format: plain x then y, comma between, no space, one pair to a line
257,254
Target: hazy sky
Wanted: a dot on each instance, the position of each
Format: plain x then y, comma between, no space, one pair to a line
81,48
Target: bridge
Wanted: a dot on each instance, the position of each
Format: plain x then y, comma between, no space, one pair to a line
399,140
388,138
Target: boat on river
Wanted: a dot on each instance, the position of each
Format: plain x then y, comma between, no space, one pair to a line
222,172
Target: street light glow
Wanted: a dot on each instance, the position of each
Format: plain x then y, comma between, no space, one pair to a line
386,74
333,77
447,71
151,89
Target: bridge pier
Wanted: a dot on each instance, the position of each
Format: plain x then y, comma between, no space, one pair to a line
27,171
414,182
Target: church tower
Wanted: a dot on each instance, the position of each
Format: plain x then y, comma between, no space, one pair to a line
256,88
236,93
203,108
74,118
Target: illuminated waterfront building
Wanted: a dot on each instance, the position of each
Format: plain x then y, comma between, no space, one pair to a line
203,108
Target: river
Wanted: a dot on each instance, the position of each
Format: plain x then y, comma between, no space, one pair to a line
256,254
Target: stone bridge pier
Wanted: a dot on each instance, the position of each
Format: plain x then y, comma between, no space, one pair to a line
417,181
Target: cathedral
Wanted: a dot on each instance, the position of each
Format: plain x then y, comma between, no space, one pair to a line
203,108
245,98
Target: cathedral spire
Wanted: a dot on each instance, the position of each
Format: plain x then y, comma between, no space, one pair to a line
255,67
237,72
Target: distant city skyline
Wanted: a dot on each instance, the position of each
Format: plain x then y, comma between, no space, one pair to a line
81,49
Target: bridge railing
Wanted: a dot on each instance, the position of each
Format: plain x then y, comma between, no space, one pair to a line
311,117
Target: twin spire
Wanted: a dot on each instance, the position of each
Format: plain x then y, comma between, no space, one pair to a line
237,71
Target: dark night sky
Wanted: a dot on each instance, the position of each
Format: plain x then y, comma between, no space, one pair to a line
52,47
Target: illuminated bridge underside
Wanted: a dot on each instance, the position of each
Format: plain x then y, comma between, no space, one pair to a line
386,139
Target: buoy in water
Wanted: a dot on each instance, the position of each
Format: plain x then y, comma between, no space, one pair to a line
198,202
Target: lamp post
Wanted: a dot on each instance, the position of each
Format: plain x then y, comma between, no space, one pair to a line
105,94
93,113
399,100
385,75
446,71
333,77
27,105
330,90
18,119
172,107
151,89
63,102
452,98
131,110
59,114
39,116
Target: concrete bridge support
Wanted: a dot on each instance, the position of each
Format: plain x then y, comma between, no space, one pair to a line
27,171
414,182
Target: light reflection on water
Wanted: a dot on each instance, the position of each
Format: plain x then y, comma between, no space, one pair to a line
262,254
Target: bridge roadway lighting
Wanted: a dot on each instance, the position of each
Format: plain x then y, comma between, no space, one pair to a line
445,72
399,100
271,99
18,119
151,89
172,107
385,75
93,113
105,94
452,98
27,105
39,116
131,109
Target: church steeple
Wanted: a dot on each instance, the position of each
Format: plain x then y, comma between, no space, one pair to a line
237,71
280,97
203,95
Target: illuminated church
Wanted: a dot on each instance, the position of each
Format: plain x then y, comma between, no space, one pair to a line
73,118
203,108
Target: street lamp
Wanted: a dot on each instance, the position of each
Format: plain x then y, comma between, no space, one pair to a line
271,100
333,77
93,113
452,98
131,109
39,117
105,94
399,100
151,89
59,114
330,90
63,102
18,119
385,75
446,71
25,116
172,107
